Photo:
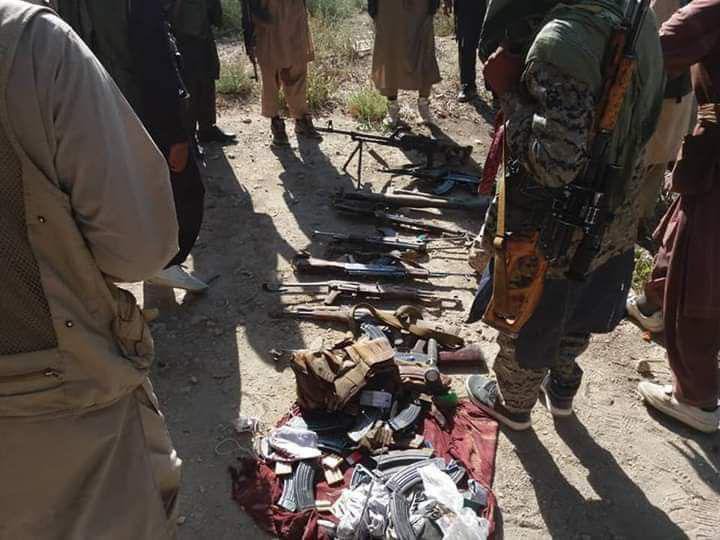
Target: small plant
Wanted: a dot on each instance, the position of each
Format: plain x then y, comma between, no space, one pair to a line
334,9
643,269
321,88
232,16
367,106
333,41
444,25
234,79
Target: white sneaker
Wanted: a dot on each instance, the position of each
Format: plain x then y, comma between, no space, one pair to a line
178,278
424,114
653,323
392,119
661,398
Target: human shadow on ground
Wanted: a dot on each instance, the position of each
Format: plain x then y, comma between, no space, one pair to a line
703,457
621,510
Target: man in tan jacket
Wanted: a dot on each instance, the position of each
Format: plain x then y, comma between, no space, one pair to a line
283,48
86,200
404,54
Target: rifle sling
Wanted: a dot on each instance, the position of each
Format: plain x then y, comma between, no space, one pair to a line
500,276
409,319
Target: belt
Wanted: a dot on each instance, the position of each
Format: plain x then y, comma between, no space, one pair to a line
709,114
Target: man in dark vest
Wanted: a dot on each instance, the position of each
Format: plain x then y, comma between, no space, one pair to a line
192,23
469,15
133,42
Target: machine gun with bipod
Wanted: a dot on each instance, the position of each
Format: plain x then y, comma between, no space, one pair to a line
405,141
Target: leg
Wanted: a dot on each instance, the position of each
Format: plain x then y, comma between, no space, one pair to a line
270,91
470,16
294,83
424,112
206,107
692,346
519,387
511,398
189,195
208,131
392,119
565,376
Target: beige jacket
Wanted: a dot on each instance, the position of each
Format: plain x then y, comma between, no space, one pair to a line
96,203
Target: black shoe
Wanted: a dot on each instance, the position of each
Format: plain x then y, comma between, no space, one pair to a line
483,392
304,128
215,134
279,135
555,403
467,93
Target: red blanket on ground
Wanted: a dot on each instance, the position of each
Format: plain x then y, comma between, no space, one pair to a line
470,438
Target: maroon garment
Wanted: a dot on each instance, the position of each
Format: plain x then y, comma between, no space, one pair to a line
470,438
690,232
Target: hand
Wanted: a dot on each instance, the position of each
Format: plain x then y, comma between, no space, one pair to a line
447,7
503,70
178,157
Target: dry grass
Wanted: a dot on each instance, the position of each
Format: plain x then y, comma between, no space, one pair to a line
367,106
235,79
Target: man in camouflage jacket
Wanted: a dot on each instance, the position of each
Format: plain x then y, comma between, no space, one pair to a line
548,92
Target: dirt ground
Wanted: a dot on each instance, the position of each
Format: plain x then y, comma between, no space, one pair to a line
611,471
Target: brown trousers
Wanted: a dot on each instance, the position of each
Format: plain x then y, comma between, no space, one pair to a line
293,81
692,343
107,473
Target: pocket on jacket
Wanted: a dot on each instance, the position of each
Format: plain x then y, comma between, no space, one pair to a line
32,383
130,330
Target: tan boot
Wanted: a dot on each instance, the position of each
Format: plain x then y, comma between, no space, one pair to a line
392,119
424,114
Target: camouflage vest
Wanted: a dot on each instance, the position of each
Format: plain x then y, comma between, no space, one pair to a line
574,39
69,340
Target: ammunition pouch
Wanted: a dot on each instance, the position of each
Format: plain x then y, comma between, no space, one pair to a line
329,379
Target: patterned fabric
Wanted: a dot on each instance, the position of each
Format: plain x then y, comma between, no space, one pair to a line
548,129
519,386
25,323
549,126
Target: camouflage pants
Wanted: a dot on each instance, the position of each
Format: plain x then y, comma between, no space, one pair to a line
519,387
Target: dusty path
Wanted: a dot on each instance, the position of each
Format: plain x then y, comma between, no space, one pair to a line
613,470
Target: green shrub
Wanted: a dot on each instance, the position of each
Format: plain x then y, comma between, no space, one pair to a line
367,106
643,269
322,88
334,9
333,41
444,25
235,79
232,16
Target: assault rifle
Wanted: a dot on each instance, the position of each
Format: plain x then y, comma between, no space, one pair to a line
446,179
400,220
585,204
403,140
304,264
406,318
334,290
393,200
383,242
